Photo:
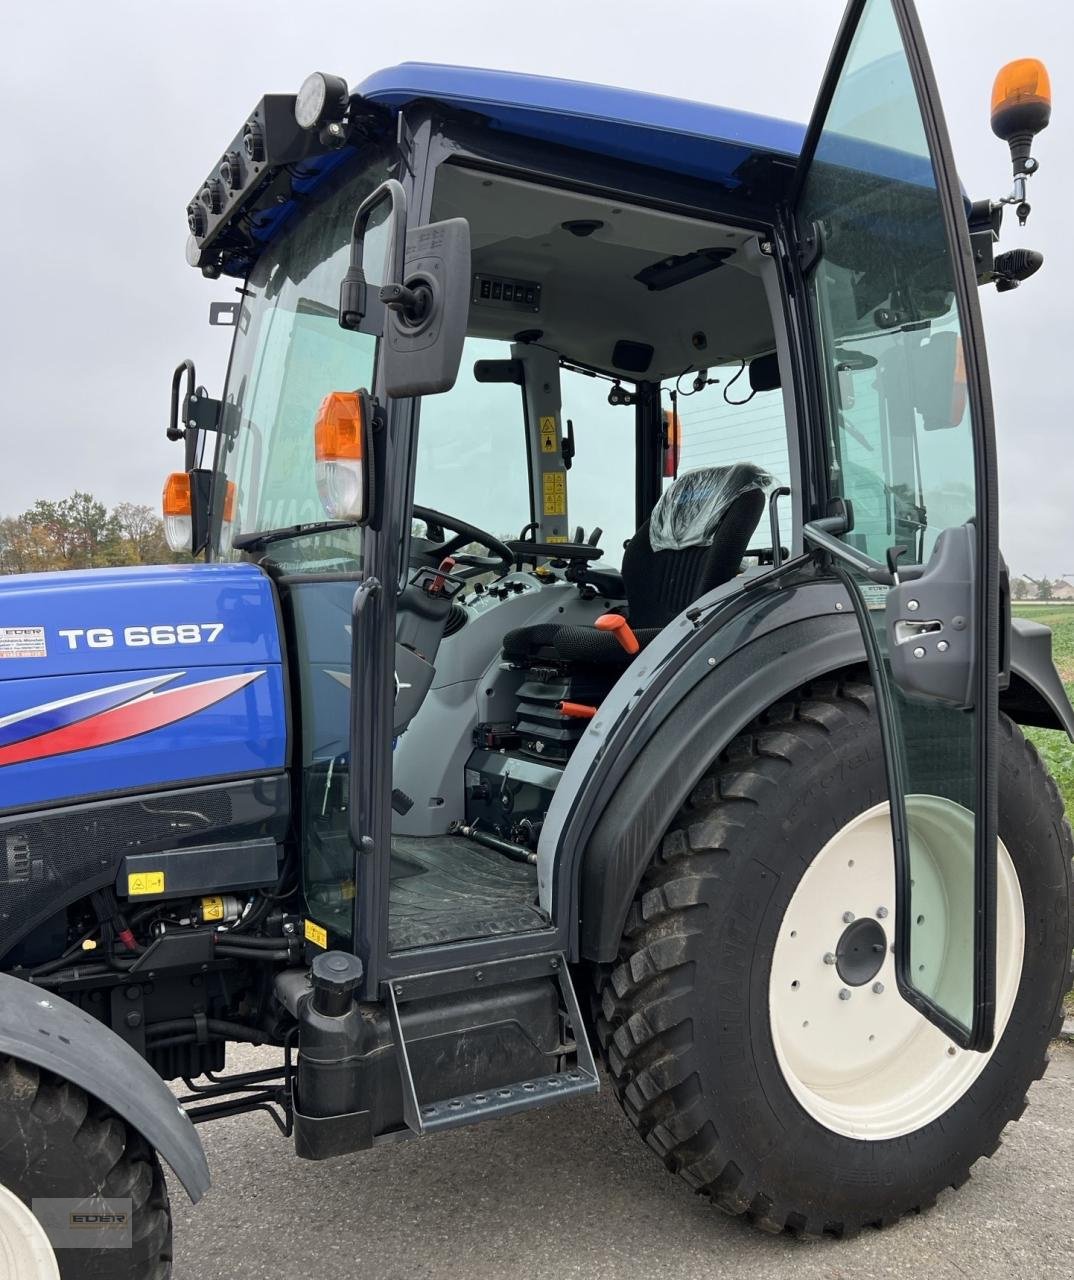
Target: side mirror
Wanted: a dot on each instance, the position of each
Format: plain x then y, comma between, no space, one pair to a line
424,293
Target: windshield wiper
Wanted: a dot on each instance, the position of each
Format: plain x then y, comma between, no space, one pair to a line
254,541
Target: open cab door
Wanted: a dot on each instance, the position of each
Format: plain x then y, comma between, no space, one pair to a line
903,437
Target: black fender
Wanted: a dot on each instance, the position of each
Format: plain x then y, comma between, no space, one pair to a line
644,771
1036,695
51,1033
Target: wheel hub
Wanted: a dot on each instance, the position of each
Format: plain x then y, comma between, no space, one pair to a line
25,1253
861,951
858,1057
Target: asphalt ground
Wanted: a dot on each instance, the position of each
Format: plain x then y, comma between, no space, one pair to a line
572,1191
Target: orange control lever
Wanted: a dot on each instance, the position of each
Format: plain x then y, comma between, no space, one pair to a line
620,628
577,709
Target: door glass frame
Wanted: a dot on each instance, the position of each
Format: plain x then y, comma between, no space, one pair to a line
824,531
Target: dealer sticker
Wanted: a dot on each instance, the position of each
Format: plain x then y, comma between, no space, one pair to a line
22,642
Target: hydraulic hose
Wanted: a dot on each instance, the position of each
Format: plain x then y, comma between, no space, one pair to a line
183,1030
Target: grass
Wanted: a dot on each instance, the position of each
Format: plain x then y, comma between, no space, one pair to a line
1055,747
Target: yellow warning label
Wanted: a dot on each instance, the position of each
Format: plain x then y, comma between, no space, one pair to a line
556,537
317,935
139,882
549,444
212,908
555,493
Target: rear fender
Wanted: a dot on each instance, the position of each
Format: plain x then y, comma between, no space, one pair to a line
606,822
47,1031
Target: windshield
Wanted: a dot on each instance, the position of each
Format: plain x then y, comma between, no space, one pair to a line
289,353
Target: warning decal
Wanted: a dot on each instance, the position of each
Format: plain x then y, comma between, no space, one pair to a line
22,642
140,882
555,493
548,435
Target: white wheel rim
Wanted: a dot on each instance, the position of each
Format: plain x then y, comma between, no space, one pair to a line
25,1253
868,1065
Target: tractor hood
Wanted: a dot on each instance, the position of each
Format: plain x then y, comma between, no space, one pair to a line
121,679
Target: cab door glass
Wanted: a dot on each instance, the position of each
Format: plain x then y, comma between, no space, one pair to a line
901,450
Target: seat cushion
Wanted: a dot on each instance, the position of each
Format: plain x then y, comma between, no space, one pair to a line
559,642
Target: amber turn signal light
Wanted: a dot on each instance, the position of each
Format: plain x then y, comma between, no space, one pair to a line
177,505
339,447
339,427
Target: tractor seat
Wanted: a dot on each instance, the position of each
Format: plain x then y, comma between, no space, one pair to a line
693,541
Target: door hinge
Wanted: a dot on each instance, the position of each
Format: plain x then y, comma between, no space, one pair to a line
810,247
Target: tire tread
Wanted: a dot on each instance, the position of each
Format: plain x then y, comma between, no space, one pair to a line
642,1015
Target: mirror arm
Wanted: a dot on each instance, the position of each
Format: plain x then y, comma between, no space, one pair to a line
353,289
412,304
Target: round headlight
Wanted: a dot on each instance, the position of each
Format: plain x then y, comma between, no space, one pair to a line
253,142
322,98
231,171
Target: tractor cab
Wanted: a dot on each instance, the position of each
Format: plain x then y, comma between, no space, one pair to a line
612,446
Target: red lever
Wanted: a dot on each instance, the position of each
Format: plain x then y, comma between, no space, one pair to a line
436,587
620,628
577,709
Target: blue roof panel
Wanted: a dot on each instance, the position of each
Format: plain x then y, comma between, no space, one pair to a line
692,138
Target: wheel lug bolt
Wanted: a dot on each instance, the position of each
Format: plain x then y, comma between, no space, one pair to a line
881,913
878,988
848,917
844,994
829,957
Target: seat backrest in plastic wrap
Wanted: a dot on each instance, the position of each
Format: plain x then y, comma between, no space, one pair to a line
689,512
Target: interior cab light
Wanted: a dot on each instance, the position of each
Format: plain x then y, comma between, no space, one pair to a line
177,506
339,452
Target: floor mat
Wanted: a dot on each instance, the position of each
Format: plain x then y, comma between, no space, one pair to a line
448,889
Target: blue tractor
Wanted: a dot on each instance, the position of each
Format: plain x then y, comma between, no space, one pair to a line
595,645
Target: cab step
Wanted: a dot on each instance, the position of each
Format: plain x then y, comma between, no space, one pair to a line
577,1078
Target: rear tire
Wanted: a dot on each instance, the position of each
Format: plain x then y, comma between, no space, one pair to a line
684,1019
55,1140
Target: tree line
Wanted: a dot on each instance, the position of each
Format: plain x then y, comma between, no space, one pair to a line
80,532
1027,588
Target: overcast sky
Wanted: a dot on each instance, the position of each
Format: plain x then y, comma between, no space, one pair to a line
116,110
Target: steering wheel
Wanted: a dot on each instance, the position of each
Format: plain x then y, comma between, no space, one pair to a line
502,559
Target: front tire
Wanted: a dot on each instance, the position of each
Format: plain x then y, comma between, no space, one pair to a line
57,1141
697,1037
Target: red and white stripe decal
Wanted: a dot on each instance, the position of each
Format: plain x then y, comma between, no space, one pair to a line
131,719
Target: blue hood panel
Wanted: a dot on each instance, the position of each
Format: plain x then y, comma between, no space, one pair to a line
124,679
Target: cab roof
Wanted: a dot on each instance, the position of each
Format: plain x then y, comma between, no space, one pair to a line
691,138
